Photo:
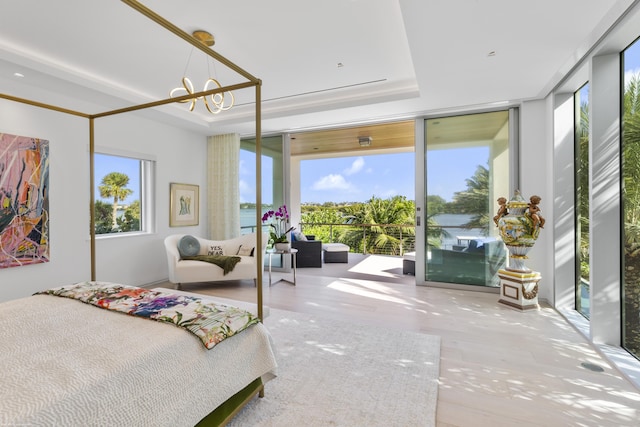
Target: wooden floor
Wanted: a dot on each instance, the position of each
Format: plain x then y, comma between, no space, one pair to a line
499,366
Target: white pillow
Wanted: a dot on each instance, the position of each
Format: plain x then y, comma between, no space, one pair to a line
299,236
214,250
245,251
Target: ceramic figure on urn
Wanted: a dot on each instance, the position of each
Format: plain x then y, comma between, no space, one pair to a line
502,209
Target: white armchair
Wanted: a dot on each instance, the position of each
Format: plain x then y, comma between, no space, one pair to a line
189,271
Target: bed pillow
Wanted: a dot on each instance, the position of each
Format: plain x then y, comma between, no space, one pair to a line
188,246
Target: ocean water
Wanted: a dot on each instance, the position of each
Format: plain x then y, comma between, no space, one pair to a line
248,220
450,222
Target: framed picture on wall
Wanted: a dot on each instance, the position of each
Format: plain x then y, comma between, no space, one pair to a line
24,200
185,205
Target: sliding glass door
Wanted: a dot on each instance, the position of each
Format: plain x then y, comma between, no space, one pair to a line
467,170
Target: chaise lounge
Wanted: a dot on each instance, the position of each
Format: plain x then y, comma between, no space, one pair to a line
189,271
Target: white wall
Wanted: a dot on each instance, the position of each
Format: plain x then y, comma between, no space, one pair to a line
134,260
536,177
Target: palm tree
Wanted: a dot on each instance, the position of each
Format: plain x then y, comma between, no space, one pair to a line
582,173
475,200
631,144
380,238
114,185
435,233
631,200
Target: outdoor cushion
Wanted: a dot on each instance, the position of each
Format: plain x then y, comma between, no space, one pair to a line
335,247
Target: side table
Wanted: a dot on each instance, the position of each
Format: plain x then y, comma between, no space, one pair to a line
291,252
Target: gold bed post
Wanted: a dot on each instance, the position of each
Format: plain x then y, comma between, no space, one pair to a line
260,262
260,258
92,198
253,81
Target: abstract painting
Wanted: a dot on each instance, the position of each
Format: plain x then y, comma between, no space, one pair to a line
24,200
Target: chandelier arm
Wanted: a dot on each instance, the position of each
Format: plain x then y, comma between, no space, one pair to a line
206,104
233,101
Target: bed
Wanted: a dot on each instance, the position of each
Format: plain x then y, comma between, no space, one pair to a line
66,362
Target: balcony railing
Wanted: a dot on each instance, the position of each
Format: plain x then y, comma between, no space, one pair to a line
382,239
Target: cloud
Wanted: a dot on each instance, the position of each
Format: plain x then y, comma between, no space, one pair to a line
384,193
247,191
243,170
628,74
332,182
356,166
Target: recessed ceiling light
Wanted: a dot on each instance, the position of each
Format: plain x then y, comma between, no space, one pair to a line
364,141
20,75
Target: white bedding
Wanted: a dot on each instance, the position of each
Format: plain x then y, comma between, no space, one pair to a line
72,364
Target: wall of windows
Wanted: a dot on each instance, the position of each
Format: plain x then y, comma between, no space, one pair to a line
596,155
581,111
631,198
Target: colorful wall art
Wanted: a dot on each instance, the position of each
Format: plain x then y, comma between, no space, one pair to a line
24,200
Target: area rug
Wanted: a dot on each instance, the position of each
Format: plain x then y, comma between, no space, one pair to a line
332,373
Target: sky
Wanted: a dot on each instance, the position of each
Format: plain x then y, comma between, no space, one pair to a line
351,179
248,178
346,179
357,179
632,59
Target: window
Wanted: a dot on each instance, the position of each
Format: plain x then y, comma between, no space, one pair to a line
631,199
272,177
272,185
123,184
581,121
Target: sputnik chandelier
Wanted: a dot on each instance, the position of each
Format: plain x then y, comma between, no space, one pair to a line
214,103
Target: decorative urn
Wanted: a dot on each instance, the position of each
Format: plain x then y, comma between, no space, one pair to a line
519,223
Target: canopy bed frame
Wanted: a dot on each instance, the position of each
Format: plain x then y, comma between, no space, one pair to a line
255,386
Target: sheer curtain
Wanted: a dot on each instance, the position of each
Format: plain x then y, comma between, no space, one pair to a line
223,167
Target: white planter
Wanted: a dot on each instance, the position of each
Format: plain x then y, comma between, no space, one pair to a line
282,247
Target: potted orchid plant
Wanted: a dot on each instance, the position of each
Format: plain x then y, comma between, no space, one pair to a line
279,231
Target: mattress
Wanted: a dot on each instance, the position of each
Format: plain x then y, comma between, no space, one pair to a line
69,363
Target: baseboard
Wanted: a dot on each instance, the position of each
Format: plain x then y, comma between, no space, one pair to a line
155,284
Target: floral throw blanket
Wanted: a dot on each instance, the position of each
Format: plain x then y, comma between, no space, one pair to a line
210,322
